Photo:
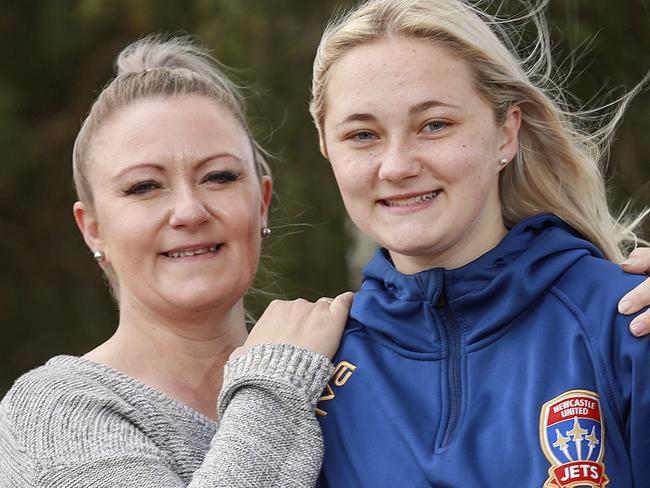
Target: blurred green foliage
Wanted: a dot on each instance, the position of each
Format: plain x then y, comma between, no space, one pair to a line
55,56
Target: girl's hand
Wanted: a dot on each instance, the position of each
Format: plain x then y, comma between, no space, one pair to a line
638,262
316,327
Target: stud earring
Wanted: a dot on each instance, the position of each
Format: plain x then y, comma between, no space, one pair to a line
99,256
503,162
265,232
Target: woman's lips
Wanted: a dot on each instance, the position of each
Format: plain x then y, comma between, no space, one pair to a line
184,253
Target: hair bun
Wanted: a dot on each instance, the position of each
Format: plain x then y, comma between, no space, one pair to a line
160,51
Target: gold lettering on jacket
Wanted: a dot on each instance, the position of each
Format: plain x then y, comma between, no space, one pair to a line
342,372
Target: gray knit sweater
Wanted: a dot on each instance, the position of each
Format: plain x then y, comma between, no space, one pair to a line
75,423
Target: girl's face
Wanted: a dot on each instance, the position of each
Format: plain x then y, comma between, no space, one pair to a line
415,151
178,205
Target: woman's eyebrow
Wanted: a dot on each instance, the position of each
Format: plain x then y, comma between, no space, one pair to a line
158,167
137,166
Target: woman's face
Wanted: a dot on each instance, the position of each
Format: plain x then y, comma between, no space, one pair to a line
178,204
415,151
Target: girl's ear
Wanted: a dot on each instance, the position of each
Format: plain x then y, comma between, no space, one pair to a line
509,135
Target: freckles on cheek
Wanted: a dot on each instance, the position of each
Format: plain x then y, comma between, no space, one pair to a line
353,183
360,170
467,158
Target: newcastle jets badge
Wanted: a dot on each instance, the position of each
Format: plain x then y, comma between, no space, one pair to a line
572,434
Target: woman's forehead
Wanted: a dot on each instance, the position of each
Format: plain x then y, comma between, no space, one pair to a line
169,129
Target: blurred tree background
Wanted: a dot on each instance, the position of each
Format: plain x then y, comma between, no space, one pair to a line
55,56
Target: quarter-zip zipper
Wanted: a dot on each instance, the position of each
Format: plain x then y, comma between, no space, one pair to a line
454,372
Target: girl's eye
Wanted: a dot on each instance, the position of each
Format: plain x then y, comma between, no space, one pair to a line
363,136
142,187
221,177
434,126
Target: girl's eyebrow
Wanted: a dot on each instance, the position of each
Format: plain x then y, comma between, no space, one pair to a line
415,109
423,106
358,117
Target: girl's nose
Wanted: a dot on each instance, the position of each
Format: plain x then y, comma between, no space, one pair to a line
398,163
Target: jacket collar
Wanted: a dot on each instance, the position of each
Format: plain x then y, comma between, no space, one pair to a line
483,296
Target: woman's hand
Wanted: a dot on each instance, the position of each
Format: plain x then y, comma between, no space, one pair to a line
638,262
316,327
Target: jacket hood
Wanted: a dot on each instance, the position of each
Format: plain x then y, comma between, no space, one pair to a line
484,296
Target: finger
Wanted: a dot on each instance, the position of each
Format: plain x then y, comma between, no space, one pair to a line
638,261
635,300
240,351
340,306
275,304
640,326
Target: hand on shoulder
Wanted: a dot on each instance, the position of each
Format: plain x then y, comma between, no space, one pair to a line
316,327
638,262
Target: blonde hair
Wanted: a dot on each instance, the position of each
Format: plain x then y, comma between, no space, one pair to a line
150,67
557,168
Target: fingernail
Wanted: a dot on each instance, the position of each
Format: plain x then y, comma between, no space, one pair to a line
628,262
624,307
637,327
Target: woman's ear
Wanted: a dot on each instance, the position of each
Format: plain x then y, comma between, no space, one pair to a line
509,134
88,225
321,144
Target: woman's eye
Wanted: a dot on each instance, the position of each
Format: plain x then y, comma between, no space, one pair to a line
221,177
141,188
363,135
434,126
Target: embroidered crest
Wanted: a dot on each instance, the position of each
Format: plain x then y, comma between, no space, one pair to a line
572,434
342,373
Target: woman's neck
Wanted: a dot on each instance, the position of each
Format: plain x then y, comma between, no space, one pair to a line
182,358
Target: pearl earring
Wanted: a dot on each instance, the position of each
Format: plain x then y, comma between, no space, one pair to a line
503,161
99,256
265,232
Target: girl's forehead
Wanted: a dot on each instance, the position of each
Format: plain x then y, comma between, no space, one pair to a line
403,71
400,51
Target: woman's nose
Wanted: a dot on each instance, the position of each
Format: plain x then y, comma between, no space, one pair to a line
188,210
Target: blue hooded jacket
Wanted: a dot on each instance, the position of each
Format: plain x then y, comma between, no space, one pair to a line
513,371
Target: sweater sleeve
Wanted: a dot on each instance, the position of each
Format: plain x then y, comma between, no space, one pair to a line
64,436
269,435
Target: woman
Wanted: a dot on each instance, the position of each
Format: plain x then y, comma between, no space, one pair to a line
484,347
173,202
